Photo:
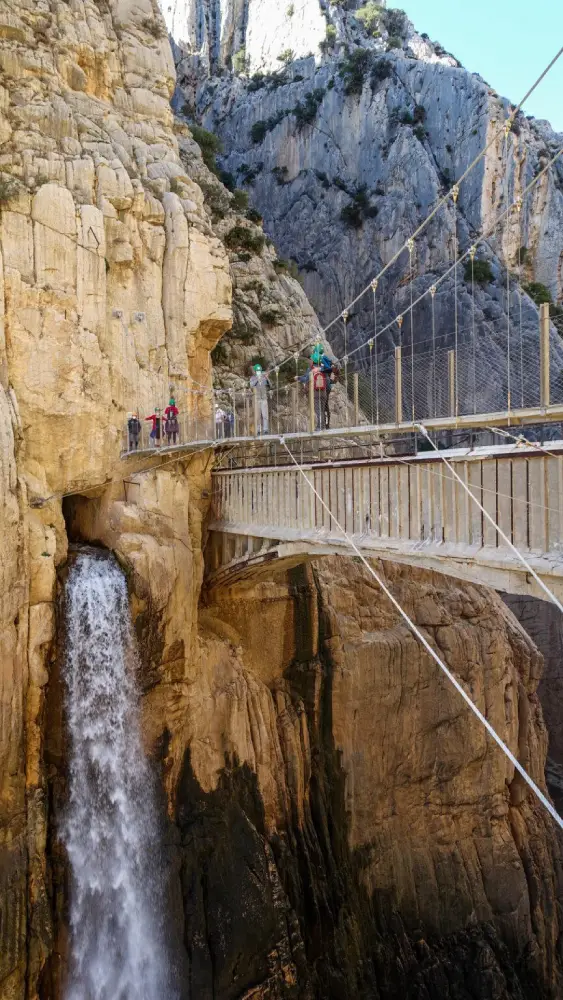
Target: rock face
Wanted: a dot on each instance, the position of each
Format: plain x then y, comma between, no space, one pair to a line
345,150
352,775
112,288
543,623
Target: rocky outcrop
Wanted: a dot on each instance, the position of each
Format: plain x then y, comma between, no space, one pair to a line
347,145
350,774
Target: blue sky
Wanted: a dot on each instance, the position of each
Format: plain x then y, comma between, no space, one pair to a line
509,42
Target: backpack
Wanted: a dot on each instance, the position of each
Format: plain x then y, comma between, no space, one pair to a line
319,379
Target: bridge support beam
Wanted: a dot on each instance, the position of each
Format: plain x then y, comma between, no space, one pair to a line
398,385
544,354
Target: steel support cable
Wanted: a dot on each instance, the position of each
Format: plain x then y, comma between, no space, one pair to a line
459,181
543,586
520,439
480,239
455,196
507,128
430,649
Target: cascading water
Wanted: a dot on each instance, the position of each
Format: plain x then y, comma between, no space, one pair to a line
110,831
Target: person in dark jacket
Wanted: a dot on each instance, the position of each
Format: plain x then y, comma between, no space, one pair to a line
134,430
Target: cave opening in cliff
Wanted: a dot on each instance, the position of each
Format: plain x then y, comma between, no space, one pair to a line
80,514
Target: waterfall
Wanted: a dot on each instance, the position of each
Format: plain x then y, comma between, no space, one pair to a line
110,831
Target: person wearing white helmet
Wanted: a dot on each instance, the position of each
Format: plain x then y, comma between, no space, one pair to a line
260,384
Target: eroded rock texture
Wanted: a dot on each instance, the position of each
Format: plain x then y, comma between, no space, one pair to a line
348,141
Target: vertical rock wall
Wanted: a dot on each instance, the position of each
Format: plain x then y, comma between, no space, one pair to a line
112,288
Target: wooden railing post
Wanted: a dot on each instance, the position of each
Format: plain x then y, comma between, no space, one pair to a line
398,386
451,383
356,399
544,355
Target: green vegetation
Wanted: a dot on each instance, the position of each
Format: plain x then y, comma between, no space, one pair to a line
370,17
227,179
420,133
249,174
381,70
306,113
242,238
8,188
240,200
283,266
209,144
538,292
253,215
395,22
261,128
354,69
419,114
280,173
216,198
154,27
290,11
480,271
286,57
240,62
329,41
359,209
394,42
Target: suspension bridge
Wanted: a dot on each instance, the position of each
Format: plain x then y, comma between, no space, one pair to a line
370,466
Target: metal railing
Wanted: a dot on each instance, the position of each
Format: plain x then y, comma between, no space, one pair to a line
397,387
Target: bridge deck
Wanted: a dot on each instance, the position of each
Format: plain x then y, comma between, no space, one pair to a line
410,510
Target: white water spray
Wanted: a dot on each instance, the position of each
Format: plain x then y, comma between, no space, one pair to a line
110,831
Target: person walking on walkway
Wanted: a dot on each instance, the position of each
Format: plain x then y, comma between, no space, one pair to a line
156,431
171,427
134,430
260,384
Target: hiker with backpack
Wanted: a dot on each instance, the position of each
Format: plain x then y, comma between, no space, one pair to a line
324,374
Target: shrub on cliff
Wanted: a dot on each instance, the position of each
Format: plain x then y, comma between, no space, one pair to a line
8,188
241,238
381,70
481,272
209,144
329,41
538,292
306,113
370,17
354,70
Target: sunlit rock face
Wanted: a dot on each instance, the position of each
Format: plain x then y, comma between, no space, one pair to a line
113,287
347,145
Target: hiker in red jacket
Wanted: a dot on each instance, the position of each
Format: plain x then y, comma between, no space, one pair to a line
156,431
171,427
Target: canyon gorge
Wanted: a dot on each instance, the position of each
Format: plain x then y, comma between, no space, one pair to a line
331,822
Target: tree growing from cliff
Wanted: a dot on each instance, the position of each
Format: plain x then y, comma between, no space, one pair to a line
209,144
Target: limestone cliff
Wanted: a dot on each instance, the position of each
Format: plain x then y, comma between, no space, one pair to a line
112,288
347,132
